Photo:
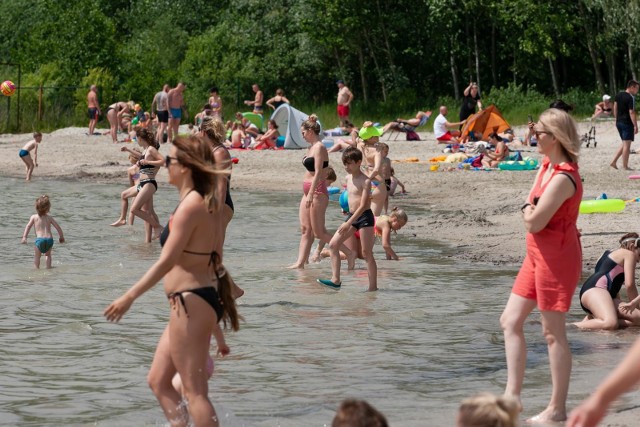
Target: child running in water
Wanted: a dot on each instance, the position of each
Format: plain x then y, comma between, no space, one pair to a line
360,218
133,173
25,154
44,239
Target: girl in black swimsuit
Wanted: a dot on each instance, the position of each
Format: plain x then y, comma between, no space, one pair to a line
196,283
149,164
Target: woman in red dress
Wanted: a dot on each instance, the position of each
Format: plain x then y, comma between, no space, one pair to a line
553,263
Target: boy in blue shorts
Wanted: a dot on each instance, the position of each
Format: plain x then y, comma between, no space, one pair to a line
359,219
44,239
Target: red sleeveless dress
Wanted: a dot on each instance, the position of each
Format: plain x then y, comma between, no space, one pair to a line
551,269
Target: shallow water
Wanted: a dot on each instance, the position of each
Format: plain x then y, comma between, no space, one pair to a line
429,338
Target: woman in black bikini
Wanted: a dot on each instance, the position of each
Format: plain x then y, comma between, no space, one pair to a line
213,131
149,163
196,283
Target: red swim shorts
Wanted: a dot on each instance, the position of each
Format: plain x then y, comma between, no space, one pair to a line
343,110
446,137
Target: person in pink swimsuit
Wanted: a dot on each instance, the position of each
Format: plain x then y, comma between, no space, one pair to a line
551,269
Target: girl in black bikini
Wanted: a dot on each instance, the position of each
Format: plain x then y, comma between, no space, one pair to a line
196,283
150,162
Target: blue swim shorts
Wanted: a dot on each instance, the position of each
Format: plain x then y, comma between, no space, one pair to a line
23,153
44,244
176,113
626,131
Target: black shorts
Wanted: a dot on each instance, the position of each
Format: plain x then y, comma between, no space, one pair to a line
365,220
163,116
93,113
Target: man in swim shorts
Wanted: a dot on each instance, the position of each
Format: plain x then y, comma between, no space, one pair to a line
441,125
344,102
93,108
160,108
257,102
175,99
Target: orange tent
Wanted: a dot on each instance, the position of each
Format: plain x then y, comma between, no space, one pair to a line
485,122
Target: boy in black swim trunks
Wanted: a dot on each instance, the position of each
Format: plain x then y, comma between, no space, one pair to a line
359,219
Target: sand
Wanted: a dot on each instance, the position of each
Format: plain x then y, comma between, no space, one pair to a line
476,212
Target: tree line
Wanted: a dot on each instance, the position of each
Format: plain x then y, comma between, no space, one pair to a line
390,52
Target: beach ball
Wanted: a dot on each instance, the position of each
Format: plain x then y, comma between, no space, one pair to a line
8,88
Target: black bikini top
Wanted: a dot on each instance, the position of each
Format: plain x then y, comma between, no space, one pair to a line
309,164
213,255
146,169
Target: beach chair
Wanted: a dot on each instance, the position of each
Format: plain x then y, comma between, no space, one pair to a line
409,130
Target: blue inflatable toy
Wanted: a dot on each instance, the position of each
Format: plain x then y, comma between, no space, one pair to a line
344,201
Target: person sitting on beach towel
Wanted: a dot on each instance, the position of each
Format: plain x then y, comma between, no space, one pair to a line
491,159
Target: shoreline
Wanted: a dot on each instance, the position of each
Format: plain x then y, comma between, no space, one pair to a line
476,213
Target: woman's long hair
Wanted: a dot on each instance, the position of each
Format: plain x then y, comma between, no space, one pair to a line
195,153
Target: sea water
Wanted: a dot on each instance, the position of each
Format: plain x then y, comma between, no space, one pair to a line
429,338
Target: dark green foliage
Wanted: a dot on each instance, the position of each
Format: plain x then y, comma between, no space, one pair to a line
395,55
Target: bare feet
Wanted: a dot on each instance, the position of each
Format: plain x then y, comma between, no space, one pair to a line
296,266
316,257
548,416
613,165
157,231
627,168
118,223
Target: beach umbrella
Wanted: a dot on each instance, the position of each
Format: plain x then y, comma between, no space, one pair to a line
485,122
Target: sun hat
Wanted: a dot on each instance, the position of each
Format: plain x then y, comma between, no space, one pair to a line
606,97
368,130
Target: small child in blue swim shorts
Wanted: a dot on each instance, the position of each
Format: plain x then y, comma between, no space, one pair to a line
42,223
25,154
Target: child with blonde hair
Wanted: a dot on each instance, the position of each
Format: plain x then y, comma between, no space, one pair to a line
487,410
25,154
42,222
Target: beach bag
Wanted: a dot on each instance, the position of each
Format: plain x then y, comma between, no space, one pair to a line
412,136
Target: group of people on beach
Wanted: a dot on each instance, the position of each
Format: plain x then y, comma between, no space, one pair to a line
201,292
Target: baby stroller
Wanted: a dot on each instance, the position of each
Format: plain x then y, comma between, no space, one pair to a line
590,137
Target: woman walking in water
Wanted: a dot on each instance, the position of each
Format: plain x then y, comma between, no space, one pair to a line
315,198
196,283
214,133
